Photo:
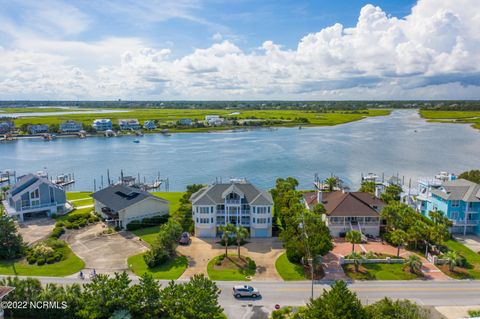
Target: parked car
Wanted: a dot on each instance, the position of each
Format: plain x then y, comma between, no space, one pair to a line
245,291
184,239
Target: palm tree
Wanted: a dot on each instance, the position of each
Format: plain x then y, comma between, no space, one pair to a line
331,182
353,236
240,234
414,263
398,238
357,260
227,231
451,258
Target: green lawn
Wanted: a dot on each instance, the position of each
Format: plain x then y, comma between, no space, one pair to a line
83,202
288,270
172,197
379,272
230,270
78,195
473,259
147,234
170,270
69,265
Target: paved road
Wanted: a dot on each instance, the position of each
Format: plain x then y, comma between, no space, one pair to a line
432,293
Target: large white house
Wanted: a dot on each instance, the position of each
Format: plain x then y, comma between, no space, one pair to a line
347,211
33,195
239,203
121,204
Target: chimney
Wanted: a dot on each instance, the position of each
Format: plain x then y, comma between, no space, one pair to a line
319,196
378,191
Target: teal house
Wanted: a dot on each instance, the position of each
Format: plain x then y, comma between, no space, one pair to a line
459,199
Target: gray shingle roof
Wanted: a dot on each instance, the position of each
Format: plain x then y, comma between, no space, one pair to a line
28,183
118,197
459,189
215,194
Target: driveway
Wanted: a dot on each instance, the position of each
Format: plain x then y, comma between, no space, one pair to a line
264,251
472,242
104,253
343,248
35,230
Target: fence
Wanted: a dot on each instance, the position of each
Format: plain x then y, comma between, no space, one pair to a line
387,260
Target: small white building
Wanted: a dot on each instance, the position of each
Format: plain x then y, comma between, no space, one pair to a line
102,125
71,127
214,120
121,204
239,203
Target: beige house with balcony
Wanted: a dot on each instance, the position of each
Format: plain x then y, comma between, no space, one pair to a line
347,211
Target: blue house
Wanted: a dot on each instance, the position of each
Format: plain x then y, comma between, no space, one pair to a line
33,195
149,125
460,201
102,125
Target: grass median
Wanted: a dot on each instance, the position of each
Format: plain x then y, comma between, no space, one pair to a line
172,269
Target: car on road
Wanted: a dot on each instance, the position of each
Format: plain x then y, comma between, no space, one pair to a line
245,291
184,239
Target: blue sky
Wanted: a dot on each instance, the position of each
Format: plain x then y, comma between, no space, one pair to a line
238,49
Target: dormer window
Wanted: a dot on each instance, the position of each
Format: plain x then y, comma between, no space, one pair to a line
233,196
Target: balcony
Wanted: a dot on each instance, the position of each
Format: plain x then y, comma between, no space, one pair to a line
463,222
27,209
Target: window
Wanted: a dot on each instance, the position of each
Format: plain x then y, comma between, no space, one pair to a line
204,220
261,220
254,220
34,194
261,210
205,210
455,203
454,215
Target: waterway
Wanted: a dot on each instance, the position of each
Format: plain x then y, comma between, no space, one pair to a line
401,143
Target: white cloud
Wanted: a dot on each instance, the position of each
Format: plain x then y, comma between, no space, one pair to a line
432,53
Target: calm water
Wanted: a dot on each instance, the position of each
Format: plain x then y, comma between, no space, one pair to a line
381,145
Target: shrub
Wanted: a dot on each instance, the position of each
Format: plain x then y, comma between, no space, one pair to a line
68,225
91,219
40,261
57,232
59,224
53,215
147,222
50,260
134,225
294,255
31,260
251,264
155,257
82,223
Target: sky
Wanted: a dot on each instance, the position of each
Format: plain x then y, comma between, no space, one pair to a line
239,50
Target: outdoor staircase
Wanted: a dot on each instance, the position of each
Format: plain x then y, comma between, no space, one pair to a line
357,227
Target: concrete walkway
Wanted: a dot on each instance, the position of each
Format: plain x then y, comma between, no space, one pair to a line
472,242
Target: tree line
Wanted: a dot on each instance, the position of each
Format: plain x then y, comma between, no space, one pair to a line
116,297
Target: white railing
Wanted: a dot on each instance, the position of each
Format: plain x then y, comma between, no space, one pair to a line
232,201
465,222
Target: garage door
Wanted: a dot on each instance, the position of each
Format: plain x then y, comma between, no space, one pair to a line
261,233
205,233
